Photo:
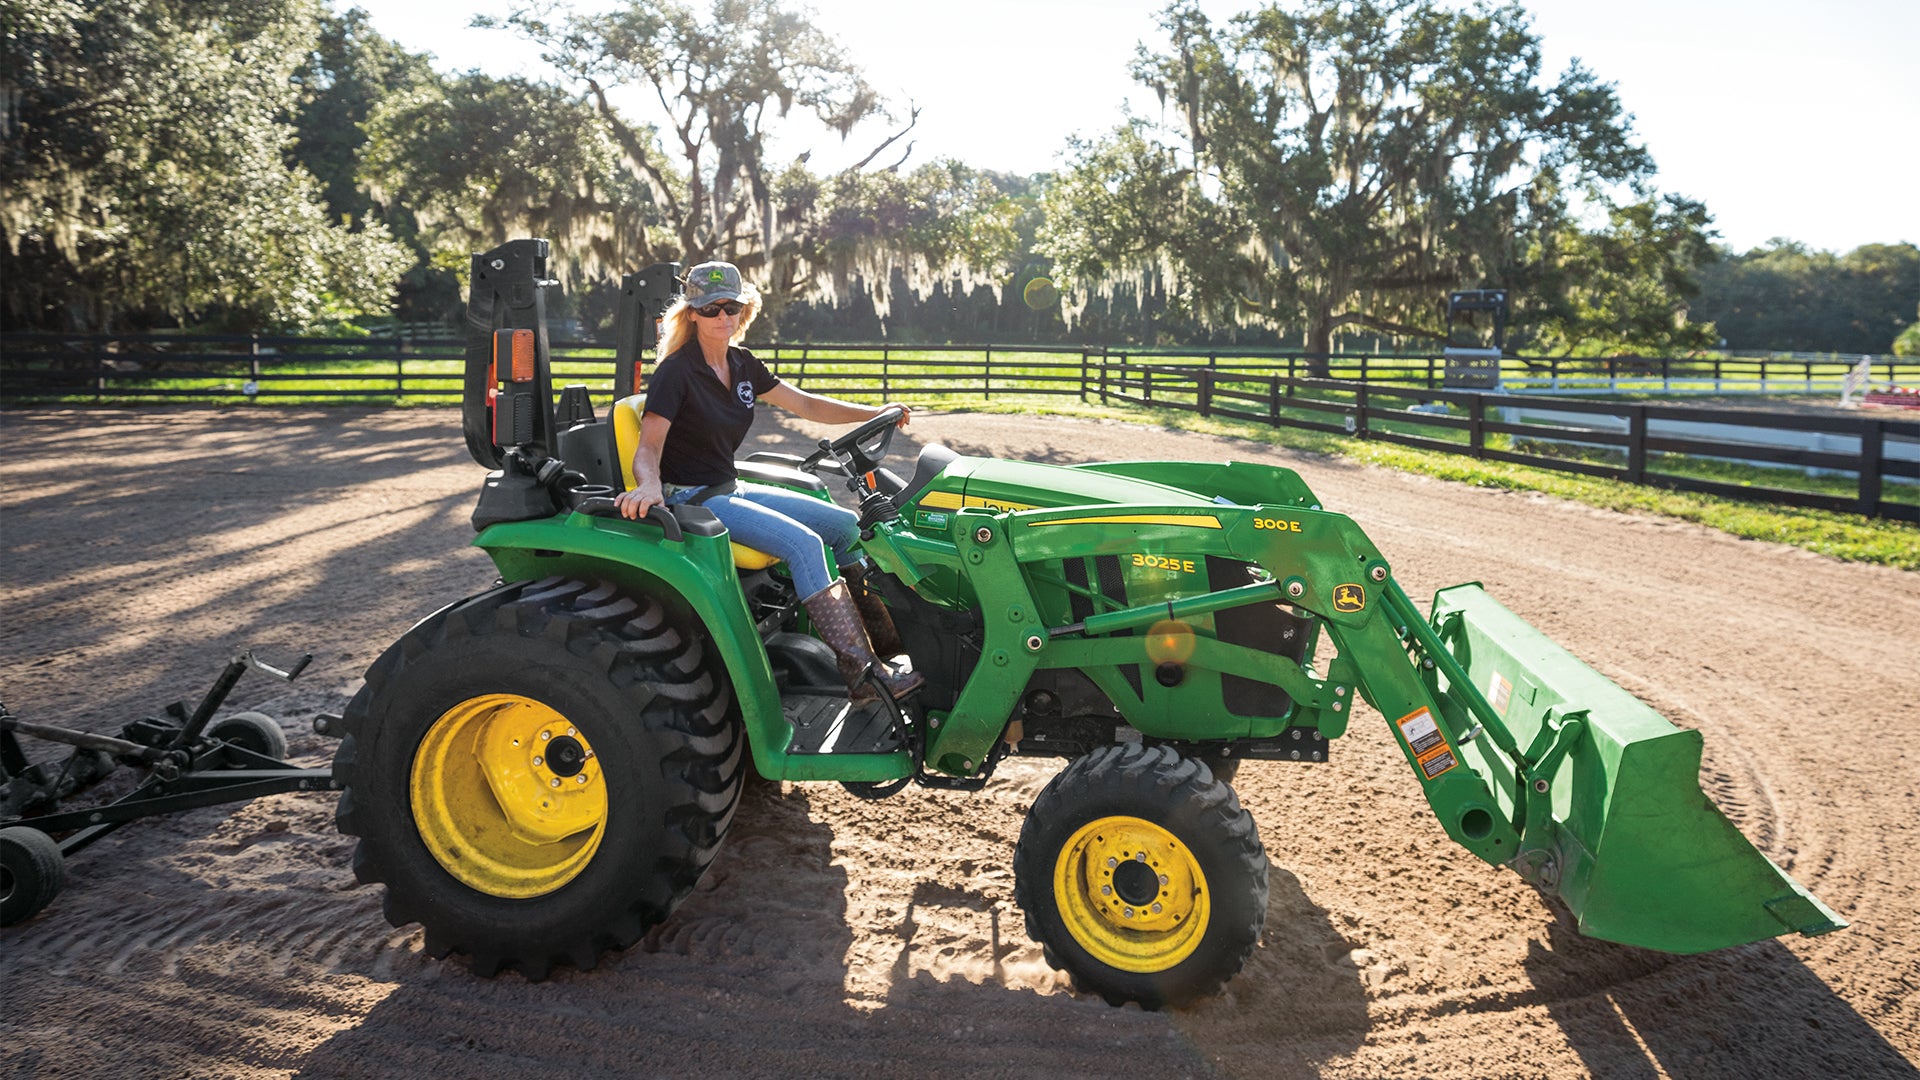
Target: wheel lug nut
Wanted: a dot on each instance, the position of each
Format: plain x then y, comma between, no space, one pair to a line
570,731
1106,890
1112,862
582,778
538,760
556,781
1163,879
1140,857
545,735
1156,909
1129,913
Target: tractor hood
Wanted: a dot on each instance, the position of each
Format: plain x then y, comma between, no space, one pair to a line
993,484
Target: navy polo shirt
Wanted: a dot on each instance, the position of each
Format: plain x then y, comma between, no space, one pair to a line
710,420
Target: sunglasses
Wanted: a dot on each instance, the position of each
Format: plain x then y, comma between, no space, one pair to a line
714,311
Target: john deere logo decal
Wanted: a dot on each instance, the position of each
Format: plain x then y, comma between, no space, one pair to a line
717,275
1349,598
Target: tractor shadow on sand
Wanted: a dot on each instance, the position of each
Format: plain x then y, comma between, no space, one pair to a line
762,972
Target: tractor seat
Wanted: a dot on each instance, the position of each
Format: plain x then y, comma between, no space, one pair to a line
626,434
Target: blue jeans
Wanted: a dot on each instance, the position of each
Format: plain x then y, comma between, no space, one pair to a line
787,525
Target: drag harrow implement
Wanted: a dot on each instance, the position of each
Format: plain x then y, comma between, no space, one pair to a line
543,770
187,760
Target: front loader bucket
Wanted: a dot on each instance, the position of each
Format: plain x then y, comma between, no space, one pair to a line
1623,834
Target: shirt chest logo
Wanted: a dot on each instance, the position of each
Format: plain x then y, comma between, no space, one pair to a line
744,391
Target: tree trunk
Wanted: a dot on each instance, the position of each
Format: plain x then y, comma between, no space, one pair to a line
1319,344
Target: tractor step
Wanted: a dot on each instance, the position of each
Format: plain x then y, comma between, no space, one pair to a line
827,723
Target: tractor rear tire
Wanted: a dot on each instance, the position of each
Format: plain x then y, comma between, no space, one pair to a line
31,873
1141,876
540,773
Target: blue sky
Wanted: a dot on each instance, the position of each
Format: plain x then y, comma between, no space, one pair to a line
1786,118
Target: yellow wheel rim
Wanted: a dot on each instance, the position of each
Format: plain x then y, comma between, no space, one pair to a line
508,796
1131,894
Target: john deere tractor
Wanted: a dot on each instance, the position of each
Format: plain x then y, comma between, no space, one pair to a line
541,771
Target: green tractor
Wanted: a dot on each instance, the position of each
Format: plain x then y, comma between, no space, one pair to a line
542,771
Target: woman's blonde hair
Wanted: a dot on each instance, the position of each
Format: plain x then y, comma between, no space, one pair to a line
676,325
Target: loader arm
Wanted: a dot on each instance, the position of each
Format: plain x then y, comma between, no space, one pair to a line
1527,757
1311,560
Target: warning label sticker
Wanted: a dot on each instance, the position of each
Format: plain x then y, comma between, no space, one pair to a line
1421,733
1429,747
1499,693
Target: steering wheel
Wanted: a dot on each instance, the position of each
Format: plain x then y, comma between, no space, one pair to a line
865,445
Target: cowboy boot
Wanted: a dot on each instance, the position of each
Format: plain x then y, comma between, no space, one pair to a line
837,619
874,611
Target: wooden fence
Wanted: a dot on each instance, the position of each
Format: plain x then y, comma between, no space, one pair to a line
39,367
1400,399
1875,457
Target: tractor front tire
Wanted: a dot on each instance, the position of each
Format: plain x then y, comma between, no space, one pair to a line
1141,876
539,773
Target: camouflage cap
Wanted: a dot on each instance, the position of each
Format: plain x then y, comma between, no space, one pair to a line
712,282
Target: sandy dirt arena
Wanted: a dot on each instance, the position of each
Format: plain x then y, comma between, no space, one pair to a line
835,937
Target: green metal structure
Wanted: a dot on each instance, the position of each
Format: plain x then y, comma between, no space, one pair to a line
541,771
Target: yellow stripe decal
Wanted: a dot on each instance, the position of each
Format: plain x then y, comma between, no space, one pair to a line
947,500
1197,521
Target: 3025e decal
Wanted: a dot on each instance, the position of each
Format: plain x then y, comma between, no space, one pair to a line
1162,562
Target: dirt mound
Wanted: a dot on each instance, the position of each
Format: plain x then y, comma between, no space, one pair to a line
837,937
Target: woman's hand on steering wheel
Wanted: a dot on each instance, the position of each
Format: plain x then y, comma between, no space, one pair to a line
866,444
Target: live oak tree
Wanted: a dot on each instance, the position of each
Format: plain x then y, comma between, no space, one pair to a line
1338,165
143,171
1628,287
351,71
697,183
477,160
